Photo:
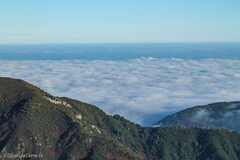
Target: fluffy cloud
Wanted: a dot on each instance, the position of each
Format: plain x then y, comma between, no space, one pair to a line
136,88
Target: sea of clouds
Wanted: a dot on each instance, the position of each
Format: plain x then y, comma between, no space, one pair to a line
136,89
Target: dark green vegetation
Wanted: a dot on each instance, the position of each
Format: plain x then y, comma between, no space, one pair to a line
40,126
217,115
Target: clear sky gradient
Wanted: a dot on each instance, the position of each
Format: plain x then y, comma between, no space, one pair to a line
78,21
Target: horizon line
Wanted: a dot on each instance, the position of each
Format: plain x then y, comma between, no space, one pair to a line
109,43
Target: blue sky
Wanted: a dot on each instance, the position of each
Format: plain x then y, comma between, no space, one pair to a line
67,21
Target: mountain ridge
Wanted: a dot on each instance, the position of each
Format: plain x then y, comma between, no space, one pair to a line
214,115
37,125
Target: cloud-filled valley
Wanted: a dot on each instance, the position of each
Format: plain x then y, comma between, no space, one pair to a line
135,89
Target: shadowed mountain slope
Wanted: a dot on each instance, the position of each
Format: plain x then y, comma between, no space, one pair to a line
217,115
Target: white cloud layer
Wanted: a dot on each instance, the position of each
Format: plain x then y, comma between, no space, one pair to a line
136,88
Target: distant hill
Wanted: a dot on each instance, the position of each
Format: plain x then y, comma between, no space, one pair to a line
37,125
217,115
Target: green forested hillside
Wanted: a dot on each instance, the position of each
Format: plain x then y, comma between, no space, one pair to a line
37,125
